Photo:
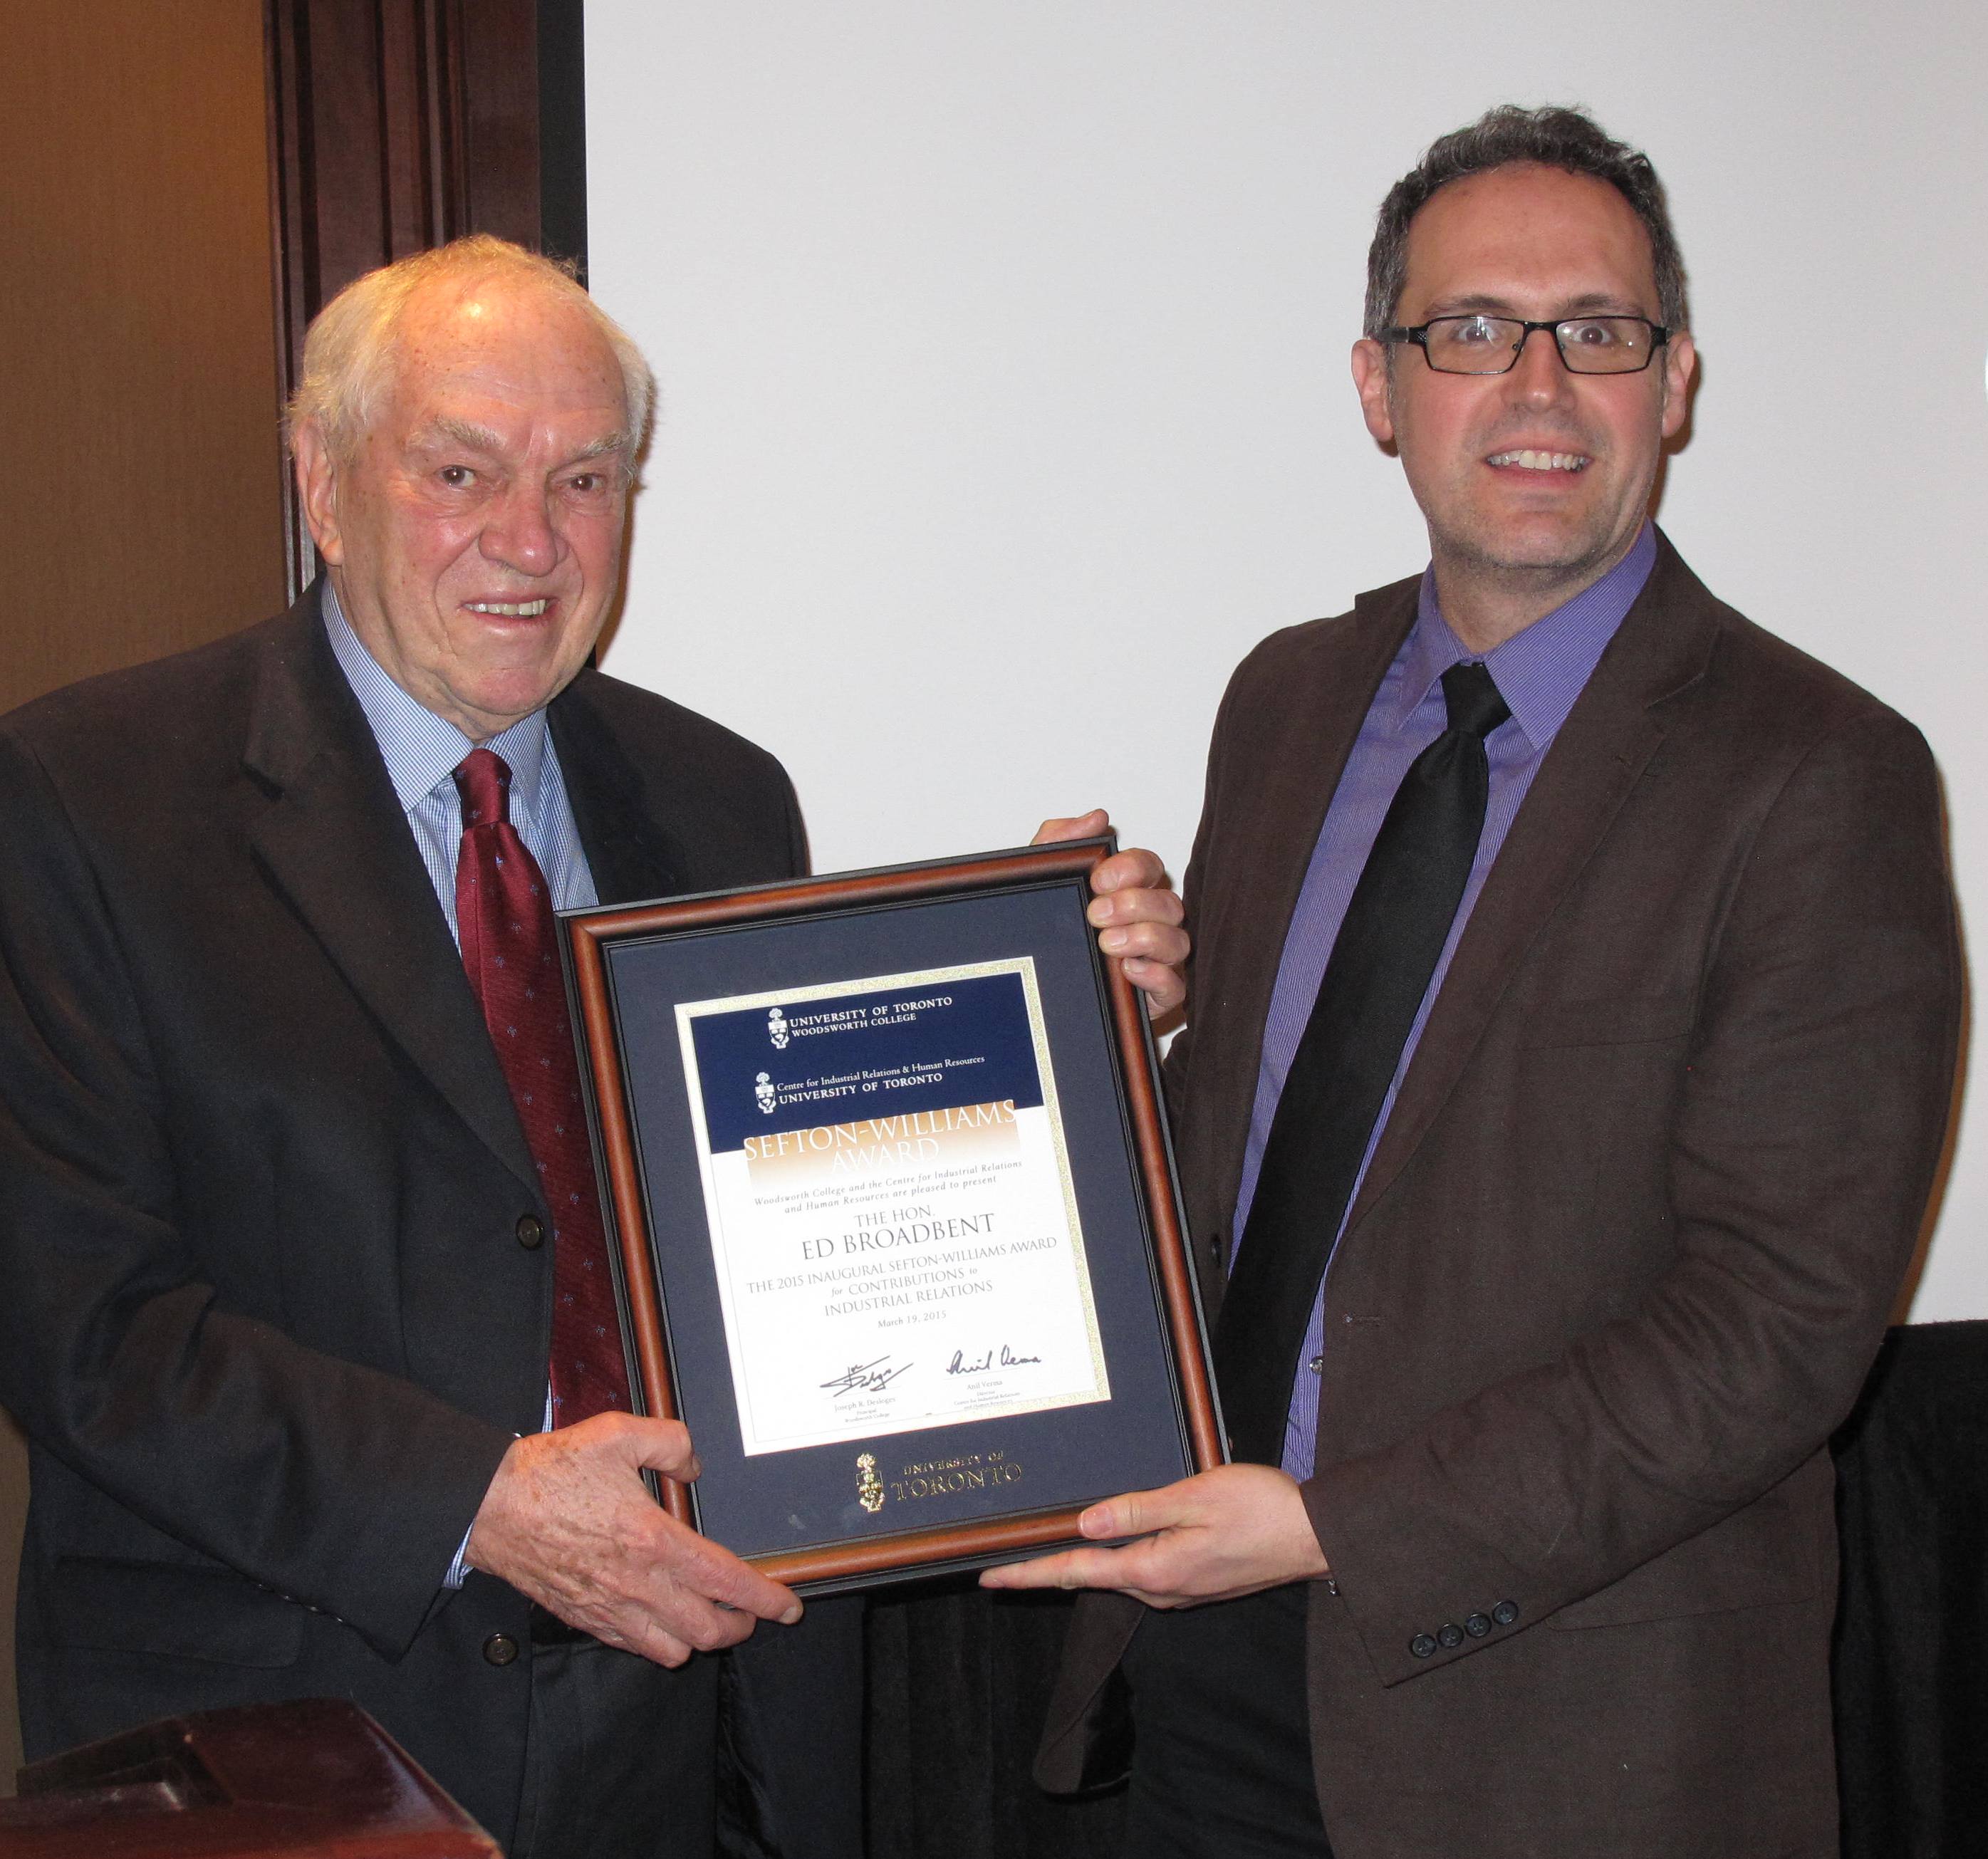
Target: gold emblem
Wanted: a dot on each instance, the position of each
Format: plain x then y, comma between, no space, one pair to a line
869,1486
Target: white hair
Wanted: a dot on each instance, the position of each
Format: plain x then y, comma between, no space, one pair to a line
350,347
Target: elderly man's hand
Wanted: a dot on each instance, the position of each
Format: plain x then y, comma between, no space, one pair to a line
568,1521
1136,913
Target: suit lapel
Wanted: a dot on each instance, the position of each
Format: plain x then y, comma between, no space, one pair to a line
1260,885
335,843
1663,645
629,856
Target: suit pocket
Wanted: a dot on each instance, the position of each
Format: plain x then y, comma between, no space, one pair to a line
1623,1020
174,1611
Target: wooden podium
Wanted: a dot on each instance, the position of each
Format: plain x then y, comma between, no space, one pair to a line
318,1777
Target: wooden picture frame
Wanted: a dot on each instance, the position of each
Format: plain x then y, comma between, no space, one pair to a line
658,988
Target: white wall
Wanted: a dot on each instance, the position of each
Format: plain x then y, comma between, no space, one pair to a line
1005,404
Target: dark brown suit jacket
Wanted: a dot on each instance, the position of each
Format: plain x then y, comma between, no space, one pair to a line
1624,1254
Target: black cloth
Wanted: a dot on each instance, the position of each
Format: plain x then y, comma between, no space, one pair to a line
606,1774
1395,928
959,1679
1911,1629
791,1736
1221,1757
271,1311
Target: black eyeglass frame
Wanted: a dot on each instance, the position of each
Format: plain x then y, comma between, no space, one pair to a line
1418,335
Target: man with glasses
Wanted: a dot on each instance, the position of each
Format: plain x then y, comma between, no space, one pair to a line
1571,1027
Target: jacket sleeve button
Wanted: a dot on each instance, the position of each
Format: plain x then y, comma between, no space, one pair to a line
1422,1646
531,1232
1505,1613
1478,1625
500,1649
1450,1634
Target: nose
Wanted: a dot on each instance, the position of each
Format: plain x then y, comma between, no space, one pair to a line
519,533
1539,377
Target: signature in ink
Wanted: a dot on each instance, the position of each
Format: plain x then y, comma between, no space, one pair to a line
981,1364
866,1378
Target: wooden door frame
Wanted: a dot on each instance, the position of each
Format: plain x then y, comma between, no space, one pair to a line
396,125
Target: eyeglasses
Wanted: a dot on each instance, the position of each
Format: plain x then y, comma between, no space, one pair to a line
1492,345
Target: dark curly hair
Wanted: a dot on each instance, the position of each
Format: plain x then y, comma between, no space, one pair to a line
1552,135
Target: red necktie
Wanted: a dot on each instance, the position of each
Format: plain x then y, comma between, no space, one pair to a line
504,914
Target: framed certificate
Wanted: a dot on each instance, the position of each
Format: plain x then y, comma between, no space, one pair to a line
892,1211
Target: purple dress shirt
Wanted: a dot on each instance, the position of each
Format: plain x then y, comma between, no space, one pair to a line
1540,672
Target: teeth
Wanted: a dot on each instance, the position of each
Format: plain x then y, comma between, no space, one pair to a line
510,610
1541,461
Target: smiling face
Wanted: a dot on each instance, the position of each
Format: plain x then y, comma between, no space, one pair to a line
1533,483
474,535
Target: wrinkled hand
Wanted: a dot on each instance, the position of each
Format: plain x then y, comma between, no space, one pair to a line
568,1521
1136,912
1219,1534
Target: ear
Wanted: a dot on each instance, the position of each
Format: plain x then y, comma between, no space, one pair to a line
317,491
1370,380
1680,361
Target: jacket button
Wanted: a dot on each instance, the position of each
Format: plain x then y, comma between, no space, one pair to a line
1422,1646
531,1232
1505,1613
1478,1625
1450,1634
500,1649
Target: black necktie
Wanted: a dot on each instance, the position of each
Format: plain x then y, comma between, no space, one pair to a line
1386,950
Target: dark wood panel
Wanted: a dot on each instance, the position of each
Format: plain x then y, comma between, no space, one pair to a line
141,478
393,125
313,1778
186,182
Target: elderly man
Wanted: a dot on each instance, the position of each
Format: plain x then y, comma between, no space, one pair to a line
1571,1027
307,1314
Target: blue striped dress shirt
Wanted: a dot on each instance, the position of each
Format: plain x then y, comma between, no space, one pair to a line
1539,672
422,752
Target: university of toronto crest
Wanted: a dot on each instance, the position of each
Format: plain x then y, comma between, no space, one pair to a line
869,1486
776,1029
763,1091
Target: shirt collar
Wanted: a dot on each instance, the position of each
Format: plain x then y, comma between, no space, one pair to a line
1541,672
422,750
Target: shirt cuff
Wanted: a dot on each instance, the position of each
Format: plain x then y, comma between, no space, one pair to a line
460,1567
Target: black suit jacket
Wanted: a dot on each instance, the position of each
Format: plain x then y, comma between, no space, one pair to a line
267,1323
1622,1256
